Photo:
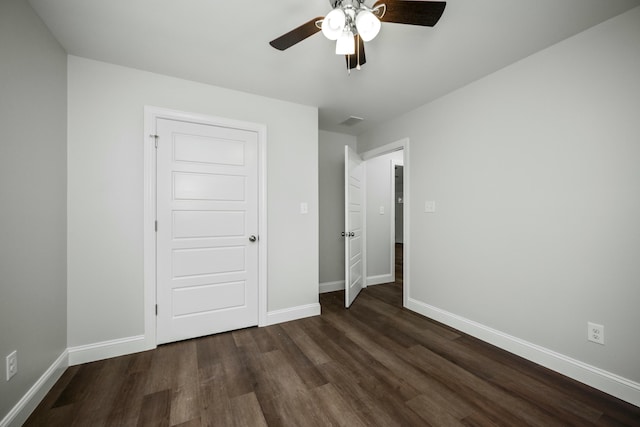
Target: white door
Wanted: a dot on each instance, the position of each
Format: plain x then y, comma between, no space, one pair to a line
354,231
207,212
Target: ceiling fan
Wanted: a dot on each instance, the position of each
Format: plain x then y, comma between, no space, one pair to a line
351,23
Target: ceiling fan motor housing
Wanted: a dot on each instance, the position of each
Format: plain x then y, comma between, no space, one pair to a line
343,3
348,4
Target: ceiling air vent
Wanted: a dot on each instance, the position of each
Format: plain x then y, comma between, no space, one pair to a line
353,120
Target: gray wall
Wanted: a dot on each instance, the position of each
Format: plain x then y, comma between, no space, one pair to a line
331,182
106,106
33,297
537,182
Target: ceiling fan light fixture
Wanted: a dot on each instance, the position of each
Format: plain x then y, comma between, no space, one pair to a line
346,44
333,24
368,25
352,23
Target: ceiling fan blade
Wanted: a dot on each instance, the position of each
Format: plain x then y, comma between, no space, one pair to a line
296,35
358,58
425,13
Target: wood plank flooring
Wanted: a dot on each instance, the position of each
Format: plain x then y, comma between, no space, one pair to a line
375,364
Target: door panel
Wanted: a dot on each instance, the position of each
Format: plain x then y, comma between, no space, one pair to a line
205,298
204,224
207,207
354,233
192,186
193,148
196,262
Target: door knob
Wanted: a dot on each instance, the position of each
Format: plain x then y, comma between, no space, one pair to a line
252,238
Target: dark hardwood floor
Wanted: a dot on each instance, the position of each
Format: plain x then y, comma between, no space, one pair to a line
399,264
375,364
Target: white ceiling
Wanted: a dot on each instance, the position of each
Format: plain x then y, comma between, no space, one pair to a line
226,44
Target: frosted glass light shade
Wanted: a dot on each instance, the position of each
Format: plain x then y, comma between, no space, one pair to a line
346,44
368,25
333,24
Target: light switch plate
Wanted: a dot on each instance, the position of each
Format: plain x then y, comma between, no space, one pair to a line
304,208
430,206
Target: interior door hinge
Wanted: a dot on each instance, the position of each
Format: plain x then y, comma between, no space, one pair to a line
156,226
155,137
156,309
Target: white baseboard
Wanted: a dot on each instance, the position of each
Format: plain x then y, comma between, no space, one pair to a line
293,313
332,286
106,349
339,284
25,406
605,381
119,347
380,279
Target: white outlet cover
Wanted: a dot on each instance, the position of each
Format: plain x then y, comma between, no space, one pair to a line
12,364
595,333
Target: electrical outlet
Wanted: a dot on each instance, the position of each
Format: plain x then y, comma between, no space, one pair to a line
12,364
595,333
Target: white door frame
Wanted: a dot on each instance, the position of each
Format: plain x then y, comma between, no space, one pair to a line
402,144
394,197
151,114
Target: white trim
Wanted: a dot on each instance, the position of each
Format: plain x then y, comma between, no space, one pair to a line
403,145
385,149
32,398
406,234
149,235
380,279
262,226
151,114
106,349
365,264
292,313
600,379
338,285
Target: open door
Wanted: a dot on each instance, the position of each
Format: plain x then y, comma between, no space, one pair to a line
353,220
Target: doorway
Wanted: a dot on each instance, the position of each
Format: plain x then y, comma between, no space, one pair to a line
397,239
